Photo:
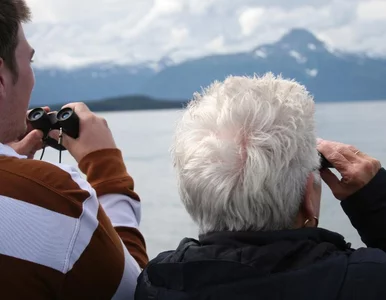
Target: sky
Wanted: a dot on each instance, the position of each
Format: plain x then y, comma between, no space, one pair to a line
73,33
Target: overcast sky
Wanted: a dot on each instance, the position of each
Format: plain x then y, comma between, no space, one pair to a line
70,33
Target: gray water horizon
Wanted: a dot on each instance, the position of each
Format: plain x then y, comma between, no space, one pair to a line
144,138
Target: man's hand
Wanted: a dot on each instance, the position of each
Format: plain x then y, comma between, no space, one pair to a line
94,133
355,167
30,142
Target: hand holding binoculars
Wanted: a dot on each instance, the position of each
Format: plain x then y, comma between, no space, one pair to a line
66,119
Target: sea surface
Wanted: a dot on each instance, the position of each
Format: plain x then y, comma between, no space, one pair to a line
145,137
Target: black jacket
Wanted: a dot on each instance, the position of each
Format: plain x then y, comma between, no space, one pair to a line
309,263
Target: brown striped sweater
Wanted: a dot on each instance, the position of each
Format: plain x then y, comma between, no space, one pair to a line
62,237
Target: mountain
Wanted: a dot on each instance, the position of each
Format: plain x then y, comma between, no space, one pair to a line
88,83
136,102
330,75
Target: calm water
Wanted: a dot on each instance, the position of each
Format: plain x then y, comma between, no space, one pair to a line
145,137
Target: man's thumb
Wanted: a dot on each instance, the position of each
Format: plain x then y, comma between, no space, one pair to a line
31,140
332,181
54,134
31,143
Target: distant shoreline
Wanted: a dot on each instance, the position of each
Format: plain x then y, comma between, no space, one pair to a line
143,103
127,103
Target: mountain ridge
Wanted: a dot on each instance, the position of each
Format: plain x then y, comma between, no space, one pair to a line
329,74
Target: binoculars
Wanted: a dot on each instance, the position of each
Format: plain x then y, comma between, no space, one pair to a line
66,119
324,163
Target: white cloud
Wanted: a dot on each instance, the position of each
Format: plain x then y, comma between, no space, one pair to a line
200,7
70,33
249,20
165,7
372,10
179,34
217,44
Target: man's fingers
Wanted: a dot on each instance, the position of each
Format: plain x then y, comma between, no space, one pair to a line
328,147
45,108
55,135
33,141
338,160
78,107
342,157
338,154
350,153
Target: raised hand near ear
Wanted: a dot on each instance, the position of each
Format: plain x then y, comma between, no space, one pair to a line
355,167
30,142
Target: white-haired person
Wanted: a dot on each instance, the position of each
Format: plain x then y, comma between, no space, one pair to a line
247,163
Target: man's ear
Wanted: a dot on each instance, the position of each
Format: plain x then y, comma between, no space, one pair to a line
307,207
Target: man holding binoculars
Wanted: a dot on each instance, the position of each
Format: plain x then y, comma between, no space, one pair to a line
61,236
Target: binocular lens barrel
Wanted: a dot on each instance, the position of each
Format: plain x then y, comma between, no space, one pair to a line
39,120
69,121
64,114
35,114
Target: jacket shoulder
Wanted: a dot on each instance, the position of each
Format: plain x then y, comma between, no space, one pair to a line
365,275
367,255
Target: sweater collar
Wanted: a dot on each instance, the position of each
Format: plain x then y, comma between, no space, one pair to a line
260,238
6,150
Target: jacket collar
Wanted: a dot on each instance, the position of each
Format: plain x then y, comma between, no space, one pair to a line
260,238
6,150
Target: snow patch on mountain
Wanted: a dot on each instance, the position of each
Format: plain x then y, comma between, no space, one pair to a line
299,57
311,46
312,72
261,53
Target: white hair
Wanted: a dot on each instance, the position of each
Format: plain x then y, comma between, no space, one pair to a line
243,150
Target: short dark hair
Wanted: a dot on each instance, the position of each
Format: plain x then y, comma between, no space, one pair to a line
12,13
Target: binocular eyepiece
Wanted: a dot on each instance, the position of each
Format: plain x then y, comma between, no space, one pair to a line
66,119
